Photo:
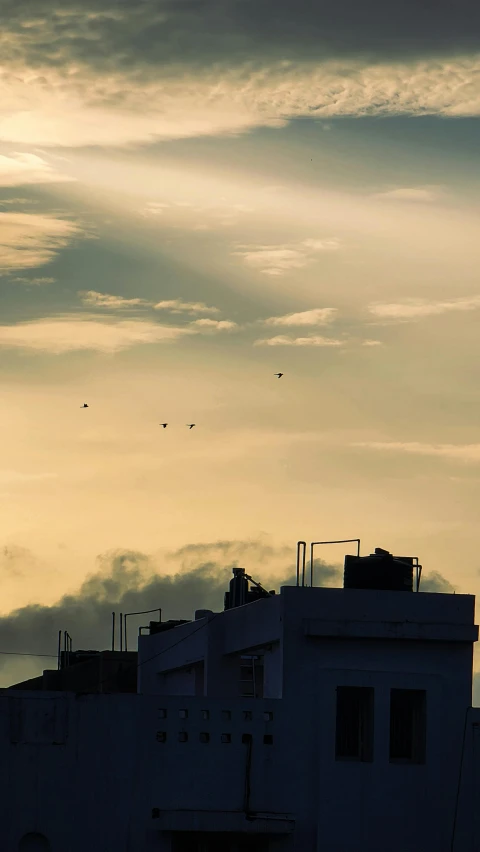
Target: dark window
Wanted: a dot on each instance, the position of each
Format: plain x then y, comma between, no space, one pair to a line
408,723
204,737
226,738
354,732
268,739
161,736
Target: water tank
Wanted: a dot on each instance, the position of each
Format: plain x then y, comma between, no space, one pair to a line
380,570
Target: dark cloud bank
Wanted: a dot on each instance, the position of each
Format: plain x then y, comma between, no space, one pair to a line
128,581
122,34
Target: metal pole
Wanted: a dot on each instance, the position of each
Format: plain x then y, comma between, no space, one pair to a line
336,541
113,631
59,648
121,631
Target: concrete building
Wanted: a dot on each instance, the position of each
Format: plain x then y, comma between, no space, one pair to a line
314,720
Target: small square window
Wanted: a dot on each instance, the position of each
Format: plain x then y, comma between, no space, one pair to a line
226,715
161,736
206,715
182,737
226,738
267,739
204,737
246,739
247,715
268,716
183,714
162,713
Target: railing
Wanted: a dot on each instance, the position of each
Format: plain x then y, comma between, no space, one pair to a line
302,551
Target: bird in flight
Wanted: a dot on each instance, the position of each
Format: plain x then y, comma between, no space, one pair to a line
164,425
279,375
84,405
190,425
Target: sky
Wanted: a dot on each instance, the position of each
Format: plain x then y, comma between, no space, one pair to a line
194,196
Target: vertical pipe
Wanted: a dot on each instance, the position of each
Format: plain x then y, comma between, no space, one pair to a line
59,648
125,632
113,631
121,631
311,565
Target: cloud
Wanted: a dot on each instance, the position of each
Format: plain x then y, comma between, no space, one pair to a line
30,240
283,340
214,325
372,343
106,300
36,282
434,582
457,452
21,169
417,308
15,477
279,259
70,334
315,316
129,581
417,193
178,306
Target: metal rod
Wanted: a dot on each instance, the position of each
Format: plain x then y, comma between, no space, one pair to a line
299,545
59,648
113,631
140,612
336,541
121,629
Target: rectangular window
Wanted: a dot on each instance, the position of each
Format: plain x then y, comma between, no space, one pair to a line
354,731
408,725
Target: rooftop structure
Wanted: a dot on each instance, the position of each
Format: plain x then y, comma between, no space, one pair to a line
315,719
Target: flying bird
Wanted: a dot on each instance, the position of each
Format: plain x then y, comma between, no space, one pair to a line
84,405
190,425
164,425
279,375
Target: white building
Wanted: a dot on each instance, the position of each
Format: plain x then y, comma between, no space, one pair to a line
315,720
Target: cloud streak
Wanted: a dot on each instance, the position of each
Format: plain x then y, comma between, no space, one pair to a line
455,452
416,309
284,340
31,240
281,259
315,316
21,169
71,334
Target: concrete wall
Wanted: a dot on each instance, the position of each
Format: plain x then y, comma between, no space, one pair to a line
124,771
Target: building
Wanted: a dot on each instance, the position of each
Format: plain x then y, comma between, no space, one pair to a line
313,720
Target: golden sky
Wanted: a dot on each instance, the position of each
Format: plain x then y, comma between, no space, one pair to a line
191,200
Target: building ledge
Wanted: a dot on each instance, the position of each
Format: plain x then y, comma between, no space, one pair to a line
223,821
421,632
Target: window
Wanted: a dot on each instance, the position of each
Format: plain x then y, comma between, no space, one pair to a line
226,738
204,737
182,737
268,739
408,723
161,736
354,731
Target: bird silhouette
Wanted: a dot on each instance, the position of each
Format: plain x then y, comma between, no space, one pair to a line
84,405
164,425
279,375
190,425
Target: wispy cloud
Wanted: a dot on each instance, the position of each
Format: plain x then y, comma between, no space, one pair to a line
69,334
409,193
315,316
21,169
214,325
107,300
280,259
30,240
16,477
283,340
178,306
417,308
35,282
460,452
108,107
